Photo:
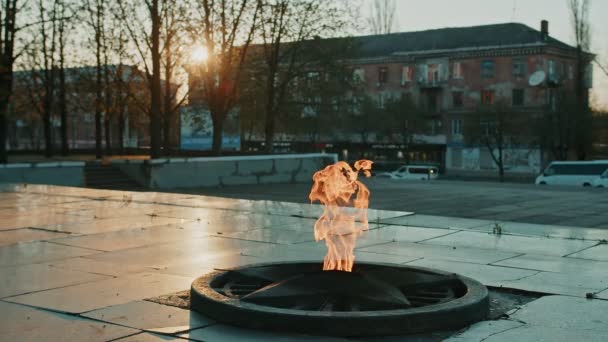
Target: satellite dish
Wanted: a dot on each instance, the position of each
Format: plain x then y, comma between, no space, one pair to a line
537,78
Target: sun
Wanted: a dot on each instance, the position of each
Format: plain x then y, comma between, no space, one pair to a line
199,54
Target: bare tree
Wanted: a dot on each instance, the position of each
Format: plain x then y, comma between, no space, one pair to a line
65,15
496,128
289,32
96,10
579,16
226,28
173,50
145,34
47,42
10,12
556,126
382,17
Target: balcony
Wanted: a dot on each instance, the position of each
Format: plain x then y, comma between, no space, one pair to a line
433,83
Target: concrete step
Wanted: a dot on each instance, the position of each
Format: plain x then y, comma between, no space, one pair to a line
108,177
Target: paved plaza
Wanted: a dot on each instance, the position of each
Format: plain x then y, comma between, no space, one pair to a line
82,265
527,203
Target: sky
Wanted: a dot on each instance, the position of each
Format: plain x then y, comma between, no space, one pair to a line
415,15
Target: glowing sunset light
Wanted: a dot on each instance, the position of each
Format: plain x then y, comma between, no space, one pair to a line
199,54
344,218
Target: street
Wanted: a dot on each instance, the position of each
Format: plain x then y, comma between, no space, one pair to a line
564,206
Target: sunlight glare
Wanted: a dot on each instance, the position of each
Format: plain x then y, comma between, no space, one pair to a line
199,54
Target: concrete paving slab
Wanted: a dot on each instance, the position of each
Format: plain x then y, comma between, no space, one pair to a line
430,221
97,267
279,236
599,252
194,269
512,243
407,233
131,238
221,332
20,323
488,275
483,330
94,226
543,230
100,294
420,250
16,280
565,312
9,237
40,220
577,285
164,255
148,337
539,333
152,317
564,265
38,251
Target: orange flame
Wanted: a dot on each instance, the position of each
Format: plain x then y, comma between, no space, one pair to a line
344,219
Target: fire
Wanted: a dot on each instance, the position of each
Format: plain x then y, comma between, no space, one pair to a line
344,218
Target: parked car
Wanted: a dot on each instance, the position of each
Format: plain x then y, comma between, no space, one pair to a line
602,182
413,172
580,173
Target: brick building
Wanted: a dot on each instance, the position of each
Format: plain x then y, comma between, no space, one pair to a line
451,72
128,101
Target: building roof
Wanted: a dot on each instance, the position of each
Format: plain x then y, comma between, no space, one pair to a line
490,36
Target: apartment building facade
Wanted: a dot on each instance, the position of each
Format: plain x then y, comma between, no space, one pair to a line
450,73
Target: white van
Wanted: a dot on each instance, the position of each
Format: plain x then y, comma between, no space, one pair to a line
413,172
581,173
601,182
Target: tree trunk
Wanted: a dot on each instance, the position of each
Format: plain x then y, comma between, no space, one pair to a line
108,102
155,89
269,132
46,117
63,111
583,107
218,129
121,130
167,99
6,87
98,83
3,123
270,111
501,166
107,135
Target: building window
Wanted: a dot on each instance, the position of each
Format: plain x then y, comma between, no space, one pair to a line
457,71
457,99
571,72
407,74
456,127
518,97
434,126
487,68
433,73
359,75
381,100
312,78
382,74
551,69
519,67
487,97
